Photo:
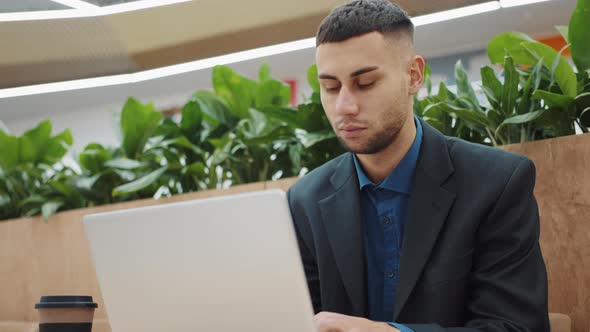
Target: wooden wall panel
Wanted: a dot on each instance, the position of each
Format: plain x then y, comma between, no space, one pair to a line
563,194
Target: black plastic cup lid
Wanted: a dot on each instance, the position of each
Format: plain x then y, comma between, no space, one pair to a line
66,301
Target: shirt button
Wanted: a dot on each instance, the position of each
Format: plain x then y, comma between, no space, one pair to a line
390,274
386,220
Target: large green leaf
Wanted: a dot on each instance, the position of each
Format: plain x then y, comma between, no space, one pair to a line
510,88
428,79
473,117
87,182
491,86
520,119
93,157
124,163
179,142
139,184
57,147
564,74
287,115
310,139
222,149
49,208
138,123
509,43
311,117
9,148
579,35
35,141
264,73
555,100
444,93
272,93
27,152
464,88
532,83
214,110
237,91
312,78
192,116
196,169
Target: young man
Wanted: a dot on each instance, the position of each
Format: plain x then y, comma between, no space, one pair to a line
410,230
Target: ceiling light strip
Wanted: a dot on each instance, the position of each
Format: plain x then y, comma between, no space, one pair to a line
456,13
66,86
45,15
514,3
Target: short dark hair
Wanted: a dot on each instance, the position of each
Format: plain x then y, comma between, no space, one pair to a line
359,17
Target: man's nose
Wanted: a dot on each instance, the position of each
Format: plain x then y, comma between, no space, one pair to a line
346,102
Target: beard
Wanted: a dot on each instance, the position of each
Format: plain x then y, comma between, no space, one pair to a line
379,140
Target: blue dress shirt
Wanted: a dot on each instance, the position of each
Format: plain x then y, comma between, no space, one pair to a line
384,212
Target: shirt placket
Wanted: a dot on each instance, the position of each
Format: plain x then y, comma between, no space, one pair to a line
388,223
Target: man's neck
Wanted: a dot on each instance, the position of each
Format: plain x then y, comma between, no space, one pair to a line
378,166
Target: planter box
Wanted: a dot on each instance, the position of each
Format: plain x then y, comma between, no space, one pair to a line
563,194
39,258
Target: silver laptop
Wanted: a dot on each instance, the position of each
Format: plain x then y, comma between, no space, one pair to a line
210,265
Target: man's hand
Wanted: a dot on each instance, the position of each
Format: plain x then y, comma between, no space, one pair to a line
333,322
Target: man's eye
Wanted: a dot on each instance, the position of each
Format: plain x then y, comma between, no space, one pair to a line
332,88
365,85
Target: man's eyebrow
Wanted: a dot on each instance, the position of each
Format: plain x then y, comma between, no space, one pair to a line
364,71
326,77
354,74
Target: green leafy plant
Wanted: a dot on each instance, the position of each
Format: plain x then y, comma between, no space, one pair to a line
33,178
155,159
536,95
567,91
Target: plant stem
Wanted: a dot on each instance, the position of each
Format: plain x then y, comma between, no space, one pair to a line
494,143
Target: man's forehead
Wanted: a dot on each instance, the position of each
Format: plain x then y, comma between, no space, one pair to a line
348,56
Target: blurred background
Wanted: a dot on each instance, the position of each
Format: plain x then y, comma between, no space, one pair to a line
38,47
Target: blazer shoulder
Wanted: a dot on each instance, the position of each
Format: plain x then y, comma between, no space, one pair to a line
317,182
483,161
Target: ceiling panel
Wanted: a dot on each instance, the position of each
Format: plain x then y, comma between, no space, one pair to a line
14,6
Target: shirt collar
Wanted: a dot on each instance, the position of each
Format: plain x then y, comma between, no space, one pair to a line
400,179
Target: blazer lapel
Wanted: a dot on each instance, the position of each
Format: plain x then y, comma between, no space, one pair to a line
342,219
429,205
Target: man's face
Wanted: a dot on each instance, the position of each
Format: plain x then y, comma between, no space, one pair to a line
367,84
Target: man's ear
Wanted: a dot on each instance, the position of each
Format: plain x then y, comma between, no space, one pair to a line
416,74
